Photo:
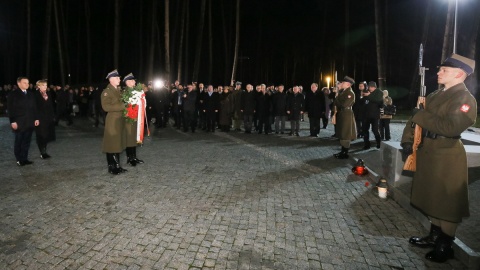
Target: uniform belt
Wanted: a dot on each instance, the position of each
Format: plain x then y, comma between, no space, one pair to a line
346,108
434,136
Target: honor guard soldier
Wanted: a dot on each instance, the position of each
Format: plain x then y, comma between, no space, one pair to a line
114,136
345,128
440,183
131,128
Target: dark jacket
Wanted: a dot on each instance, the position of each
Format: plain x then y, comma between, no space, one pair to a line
211,102
295,105
373,104
190,101
45,132
249,102
280,104
263,105
226,108
315,104
22,109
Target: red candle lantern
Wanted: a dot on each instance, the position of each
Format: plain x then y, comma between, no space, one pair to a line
359,168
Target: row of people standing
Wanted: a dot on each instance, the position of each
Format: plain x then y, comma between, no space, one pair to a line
229,106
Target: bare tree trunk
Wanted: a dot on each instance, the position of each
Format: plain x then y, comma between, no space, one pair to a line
167,40
116,37
88,41
447,37
64,34
180,47
198,55
46,41
140,30
29,35
187,35
174,37
237,42
152,41
380,40
471,50
210,43
60,53
225,42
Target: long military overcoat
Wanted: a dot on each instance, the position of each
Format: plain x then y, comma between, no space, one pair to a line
345,127
114,136
440,183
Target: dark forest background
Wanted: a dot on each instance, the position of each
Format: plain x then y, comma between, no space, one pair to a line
212,41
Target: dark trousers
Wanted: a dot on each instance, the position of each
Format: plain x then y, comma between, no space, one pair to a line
366,127
189,120
314,125
359,124
385,129
211,118
202,120
99,113
263,123
64,114
324,121
295,126
22,144
178,117
280,123
247,122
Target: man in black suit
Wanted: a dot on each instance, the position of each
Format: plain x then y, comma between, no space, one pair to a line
315,106
22,111
211,105
189,109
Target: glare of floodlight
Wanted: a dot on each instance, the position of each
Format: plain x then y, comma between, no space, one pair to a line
158,84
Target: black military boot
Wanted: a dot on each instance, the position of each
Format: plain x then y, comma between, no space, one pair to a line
443,249
343,154
111,164
134,152
116,161
378,143
426,241
130,156
366,145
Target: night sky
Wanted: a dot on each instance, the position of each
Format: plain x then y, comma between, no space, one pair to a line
281,41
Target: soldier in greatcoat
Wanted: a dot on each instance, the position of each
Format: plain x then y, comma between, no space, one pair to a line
131,128
114,136
440,183
345,128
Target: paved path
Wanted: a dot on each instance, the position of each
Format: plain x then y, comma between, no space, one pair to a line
201,201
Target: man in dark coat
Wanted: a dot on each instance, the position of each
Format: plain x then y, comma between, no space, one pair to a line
440,183
315,106
62,106
177,106
249,103
264,104
211,106
114,136
45,132
358,107
295,108
280,109
202,123
373,103
237,106
23,116
190,109
345,120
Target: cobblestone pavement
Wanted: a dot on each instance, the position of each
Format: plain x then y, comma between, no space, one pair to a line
200,201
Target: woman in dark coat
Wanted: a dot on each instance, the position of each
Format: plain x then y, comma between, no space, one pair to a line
226,110
45,132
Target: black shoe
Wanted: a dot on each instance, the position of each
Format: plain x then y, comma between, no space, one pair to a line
296,134
366,146
276,132
27,162
131,162
443,249
426,241
282,132
45,156
138,161
341,155
20,163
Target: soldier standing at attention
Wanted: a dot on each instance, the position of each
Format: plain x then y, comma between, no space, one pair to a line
440,183
131,128
345,128
114,136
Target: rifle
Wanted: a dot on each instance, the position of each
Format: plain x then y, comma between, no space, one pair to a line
411,162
